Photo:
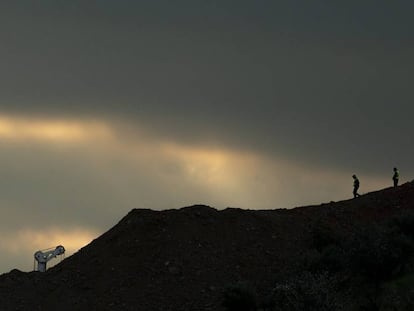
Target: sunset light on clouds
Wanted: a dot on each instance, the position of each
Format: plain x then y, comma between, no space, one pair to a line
229,177
58,131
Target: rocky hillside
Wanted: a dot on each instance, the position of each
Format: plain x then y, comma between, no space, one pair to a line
186,259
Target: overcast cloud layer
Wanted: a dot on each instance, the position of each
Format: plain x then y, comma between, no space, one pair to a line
108,105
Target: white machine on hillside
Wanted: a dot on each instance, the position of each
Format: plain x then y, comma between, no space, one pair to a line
44,256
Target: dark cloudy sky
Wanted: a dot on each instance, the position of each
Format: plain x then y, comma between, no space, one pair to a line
111,105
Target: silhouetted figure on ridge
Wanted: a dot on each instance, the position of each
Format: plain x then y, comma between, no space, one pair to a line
396,176
356,186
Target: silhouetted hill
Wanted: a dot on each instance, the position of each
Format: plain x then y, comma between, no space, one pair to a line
186,259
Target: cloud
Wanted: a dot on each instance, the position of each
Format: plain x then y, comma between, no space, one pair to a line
58,131
104,173
307,97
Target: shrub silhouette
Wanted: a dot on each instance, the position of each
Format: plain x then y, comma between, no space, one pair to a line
398,295
404,222
239,297
326,253
307,291
323,235
379,253
349,268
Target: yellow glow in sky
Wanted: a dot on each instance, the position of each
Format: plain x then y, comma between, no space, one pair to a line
245,178
22,245
223,173
51,130
33,240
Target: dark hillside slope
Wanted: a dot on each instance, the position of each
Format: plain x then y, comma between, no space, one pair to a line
184,259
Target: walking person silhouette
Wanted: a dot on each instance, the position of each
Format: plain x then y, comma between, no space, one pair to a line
356,186
396,176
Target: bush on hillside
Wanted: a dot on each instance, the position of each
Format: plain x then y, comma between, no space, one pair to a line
312,292
330,259
239,297
394,298
404,222
378,253
323,235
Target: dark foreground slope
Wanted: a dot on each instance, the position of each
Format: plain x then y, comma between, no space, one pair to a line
185,259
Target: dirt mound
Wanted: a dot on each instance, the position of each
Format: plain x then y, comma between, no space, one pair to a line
184,259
